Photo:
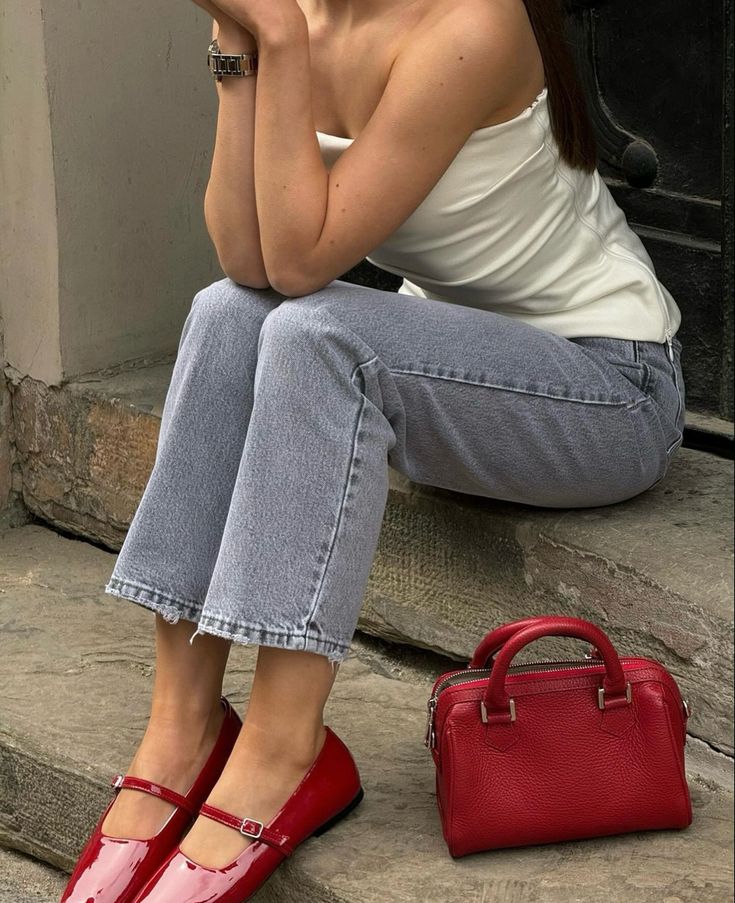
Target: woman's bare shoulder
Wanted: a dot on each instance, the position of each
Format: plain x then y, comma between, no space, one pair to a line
503,31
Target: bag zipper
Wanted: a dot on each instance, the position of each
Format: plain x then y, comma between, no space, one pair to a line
461,678
542,665
530,666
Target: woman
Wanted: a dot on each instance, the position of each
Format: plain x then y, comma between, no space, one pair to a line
529,355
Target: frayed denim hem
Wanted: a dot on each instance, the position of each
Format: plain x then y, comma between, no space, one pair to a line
335,652
169,607
172,609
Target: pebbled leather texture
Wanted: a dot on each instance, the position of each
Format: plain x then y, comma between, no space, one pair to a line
564,769
114,869
328,791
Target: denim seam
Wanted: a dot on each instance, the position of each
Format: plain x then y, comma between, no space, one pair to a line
345,494
322,309
636,440
169,607
661,474
267,630
631,406
238,632
680,438
675,444
648,371
169,597
486,385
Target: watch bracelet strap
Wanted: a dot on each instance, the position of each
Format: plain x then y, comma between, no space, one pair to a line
230,64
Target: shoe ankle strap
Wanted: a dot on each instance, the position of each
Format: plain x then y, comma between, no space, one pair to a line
249,827
119,782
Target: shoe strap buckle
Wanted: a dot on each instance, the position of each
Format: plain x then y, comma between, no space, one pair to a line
117,781
250,827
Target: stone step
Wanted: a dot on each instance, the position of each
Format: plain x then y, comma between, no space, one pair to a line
655,571
75,672
25,880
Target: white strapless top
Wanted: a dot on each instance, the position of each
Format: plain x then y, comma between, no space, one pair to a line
511,228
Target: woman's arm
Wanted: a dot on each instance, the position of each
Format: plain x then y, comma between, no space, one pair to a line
229,202
459,66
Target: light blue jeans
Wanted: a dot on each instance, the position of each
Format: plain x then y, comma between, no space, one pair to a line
261,517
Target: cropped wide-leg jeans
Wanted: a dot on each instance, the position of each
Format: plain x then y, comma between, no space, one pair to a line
261,517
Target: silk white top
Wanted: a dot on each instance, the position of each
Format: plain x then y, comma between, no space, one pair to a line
511,228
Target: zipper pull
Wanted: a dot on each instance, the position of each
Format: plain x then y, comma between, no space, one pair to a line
429,735
669,348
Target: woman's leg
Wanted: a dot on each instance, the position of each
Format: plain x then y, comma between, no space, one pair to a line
184,722
282,733
169,552
167,558
349,380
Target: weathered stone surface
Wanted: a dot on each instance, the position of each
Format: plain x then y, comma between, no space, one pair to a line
25,880
710,424
655,572
86,455
75,669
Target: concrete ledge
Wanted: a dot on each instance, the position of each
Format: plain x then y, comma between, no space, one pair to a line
75,669
24,880
86,449
656,571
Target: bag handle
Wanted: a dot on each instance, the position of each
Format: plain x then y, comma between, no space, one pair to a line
497,706
492,641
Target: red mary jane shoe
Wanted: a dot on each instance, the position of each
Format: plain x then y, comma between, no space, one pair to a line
114,869
327,792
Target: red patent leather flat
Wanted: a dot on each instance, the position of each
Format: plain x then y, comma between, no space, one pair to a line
327,792
114,869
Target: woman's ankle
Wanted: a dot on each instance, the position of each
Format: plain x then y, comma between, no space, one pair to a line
178,706
181,736
292,745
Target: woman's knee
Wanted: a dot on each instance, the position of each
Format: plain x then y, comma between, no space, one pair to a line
225,302
294,324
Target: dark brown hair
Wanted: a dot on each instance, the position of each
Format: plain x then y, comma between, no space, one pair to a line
568,113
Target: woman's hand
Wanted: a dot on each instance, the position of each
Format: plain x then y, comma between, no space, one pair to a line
262,18
232,36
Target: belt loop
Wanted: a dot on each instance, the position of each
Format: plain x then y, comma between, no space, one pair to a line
636,351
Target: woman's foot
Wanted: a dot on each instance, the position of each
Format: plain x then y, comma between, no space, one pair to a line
261,774
174,748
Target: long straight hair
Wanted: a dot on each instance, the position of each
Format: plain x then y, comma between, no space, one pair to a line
568,113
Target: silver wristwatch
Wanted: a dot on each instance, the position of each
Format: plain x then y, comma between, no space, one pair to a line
226,64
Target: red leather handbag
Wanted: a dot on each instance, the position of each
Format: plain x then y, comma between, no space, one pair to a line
555,750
